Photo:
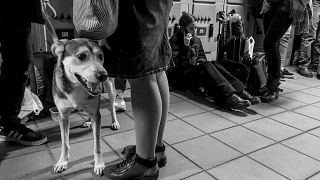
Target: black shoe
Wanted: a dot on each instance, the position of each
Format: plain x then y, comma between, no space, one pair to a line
286,74
236,102
303,71
271,96
22,135
318,76
133,168
247,96
130,150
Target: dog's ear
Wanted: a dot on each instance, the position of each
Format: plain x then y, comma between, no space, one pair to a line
57,48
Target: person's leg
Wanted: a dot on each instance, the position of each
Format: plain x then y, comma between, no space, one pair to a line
120,86
147,109
275,25
16,55
237,69
283,47
165,99
305,51
314,28
218,87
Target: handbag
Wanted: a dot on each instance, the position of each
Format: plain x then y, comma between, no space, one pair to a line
95,19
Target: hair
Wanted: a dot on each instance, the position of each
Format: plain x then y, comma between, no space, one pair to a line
186,19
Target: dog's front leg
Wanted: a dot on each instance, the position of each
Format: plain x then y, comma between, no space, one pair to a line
112,95
95,117
64,123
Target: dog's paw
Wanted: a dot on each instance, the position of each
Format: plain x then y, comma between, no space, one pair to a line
60,166
98,168
115,126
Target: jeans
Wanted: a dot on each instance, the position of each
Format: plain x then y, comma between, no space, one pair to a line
275,25
283,46
16,55
310,42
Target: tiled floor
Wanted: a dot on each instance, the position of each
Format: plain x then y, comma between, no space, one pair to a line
275,141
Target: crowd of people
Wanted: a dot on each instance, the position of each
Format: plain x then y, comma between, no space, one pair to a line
146,59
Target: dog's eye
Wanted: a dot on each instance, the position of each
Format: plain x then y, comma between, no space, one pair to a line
100,56
82,56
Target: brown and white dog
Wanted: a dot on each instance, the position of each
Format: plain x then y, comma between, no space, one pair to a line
77,83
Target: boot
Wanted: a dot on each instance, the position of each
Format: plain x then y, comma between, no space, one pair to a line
273,92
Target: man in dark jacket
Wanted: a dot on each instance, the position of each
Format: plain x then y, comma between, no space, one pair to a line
16,51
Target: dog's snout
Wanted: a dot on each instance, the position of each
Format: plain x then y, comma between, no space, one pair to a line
102,76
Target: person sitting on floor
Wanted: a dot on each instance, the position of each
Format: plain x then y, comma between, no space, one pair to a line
192,71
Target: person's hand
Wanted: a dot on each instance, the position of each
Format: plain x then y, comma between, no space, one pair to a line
187,39
223,18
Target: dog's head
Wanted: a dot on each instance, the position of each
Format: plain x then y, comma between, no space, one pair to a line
81,60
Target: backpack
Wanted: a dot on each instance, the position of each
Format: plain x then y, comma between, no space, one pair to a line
40,78
258,73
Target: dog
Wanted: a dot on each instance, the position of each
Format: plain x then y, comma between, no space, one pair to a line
77,83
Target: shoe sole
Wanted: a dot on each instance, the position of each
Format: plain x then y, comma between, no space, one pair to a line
120,110
25,143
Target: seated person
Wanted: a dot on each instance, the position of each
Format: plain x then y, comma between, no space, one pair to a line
234,54
192,71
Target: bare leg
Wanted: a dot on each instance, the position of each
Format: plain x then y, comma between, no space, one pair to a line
165,98
147,110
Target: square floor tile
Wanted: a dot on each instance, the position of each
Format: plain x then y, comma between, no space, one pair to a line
182,109
287,103
244,168
242,139
305,143
266,109
287,162
272,129
177,131
296,120
125,121
238,117
81,158
30,166
208,122
119,140
315,132
316,104
315,177
310,111
293,86
175,99
177,167
302,97
200,176
307,82
206,152
312,91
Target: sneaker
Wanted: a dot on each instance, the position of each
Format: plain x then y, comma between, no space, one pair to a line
160,154
119,103
236,102
22,135
133,168
247,96
286,74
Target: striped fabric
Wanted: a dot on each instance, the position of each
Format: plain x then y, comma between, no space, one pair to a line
95,19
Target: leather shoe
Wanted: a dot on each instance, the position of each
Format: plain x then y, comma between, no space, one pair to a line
236,102
247,96
270,96
303,71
